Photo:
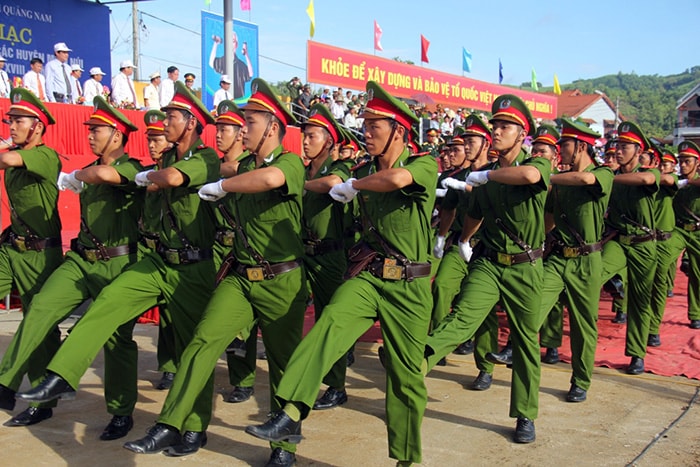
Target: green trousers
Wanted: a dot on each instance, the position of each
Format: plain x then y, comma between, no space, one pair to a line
278,305
450,275
485,341
185,289
552,329
28,271
667,255
690,241
577,279
75,281
640,260
403,310
518,288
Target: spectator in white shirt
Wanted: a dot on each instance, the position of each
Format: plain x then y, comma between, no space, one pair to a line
76,89
167,86
351,120
57,71
34,80
93,86
5,86
338,107
224,91
123,92
151,98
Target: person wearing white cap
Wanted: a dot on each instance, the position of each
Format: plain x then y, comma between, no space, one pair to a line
151,98
5,86
58,86
76,88
123,92
93,86
223,93
34,80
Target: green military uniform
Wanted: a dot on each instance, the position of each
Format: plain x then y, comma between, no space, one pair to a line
402,218
517,287
31,244
110,213
572,269
666,254
686,234
631,213
272,225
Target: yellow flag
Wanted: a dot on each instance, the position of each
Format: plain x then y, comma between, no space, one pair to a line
557,88
312,17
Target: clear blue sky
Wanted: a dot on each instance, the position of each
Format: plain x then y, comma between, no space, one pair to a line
572,39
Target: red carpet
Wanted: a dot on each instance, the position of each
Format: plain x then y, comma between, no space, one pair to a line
678,355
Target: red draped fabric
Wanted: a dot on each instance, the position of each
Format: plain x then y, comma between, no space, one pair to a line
69,137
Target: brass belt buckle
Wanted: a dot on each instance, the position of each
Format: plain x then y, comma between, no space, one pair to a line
689,227
255,274
91,255
391,270
150,243
173,256
20,244
626,239
227,238
473,242
310,249
505,259
570,252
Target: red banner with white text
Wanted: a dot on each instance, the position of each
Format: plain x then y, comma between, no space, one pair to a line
334,66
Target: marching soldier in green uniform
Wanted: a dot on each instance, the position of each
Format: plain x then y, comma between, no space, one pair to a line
390,282
263,278
631,214
325,223
686,234
666,255
108,243
433,143
575,212
150,226
509,211
30,247
180,273
475,142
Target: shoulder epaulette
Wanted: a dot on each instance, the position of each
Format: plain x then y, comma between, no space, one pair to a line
360,164
419,154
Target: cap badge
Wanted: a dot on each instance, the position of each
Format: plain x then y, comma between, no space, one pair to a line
95,107
254,88
684,146
541,132
313,113
224,109
370,95
505,104
470,121
625,128
153,119
17,98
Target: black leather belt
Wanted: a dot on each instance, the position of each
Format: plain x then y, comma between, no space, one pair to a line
22,243
391,269
102,254
661,235
509,260
322,247
265,271
688,226
634,239
225,237
184,255
576,251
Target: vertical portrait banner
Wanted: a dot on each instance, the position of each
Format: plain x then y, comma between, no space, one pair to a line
30,28
245,62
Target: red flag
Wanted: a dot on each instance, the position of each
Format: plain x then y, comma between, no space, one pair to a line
245,5
377,36
424,44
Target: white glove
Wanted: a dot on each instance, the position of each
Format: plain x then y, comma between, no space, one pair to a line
141,178
682,183
67,181
454,184
212,191
439,248
465,251
440,192
478,178
344,192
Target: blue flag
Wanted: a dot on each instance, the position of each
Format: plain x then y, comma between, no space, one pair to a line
500,71
466,60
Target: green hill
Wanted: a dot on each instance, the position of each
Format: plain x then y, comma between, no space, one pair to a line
649,100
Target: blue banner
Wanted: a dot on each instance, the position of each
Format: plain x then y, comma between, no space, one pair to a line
30,28
245,63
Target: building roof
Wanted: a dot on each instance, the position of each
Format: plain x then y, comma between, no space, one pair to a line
689,95
572,103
